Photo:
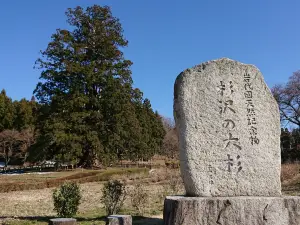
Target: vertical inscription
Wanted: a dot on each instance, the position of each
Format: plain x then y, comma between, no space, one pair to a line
226,107
251,115
229,161
212,172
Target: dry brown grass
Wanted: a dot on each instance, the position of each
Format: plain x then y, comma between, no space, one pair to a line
26,207
36,181
27,203
289,171
157,182
290,177
39,202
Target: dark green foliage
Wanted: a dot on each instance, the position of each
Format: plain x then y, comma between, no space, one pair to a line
113,196
18,115
67,199
89,111
290,145
17,121
24,114
7,112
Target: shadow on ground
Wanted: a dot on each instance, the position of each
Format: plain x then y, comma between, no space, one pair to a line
137,220
293,189
28,218
140,220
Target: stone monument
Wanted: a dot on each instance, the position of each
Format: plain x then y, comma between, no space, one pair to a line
229,133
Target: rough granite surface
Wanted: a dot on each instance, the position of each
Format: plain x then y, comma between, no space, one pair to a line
232,210
119,220
229,131
63,221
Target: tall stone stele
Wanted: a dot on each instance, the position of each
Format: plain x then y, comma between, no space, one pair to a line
229,133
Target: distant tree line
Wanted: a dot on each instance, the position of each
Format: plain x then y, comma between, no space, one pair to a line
290,145
16,128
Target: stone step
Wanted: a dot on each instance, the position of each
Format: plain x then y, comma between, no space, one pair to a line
62,221
119,220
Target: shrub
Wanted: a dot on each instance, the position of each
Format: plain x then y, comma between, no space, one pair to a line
67,199
113,196
139,198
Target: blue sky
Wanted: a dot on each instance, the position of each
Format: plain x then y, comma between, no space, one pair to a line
165,37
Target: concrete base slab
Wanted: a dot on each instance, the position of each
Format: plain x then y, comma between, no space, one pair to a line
240,210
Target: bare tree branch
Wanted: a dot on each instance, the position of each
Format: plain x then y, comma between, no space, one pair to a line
288,99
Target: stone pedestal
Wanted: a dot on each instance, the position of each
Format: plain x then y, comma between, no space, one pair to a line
179,210
119,220
63,221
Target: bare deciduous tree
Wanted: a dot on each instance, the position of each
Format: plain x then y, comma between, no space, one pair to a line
15,144
168,123
170,143
288,99
27,138
8,140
